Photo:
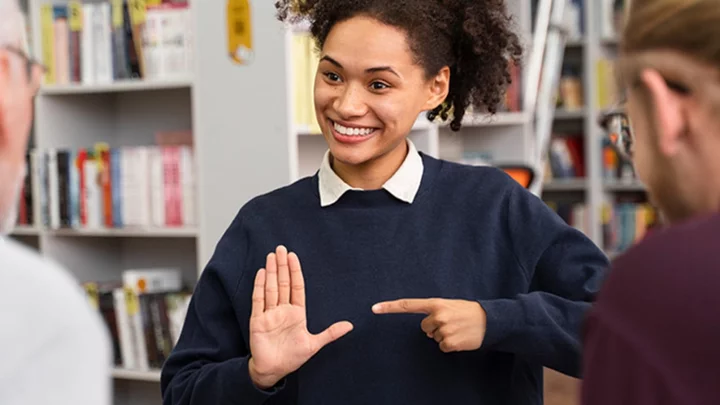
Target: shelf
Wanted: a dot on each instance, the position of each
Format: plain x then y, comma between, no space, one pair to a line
610,41
575,43
136,375
562,114
499,119
22,230
625,186
565,185
127,233
120,86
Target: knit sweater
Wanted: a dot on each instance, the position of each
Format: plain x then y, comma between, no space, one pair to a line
472,233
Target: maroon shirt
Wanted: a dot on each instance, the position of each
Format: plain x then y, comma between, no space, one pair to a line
653,336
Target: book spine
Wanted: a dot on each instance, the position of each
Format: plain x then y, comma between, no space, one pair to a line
116,175
87,45
47,33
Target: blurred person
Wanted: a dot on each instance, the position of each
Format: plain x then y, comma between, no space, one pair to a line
423,281
653,336
54,348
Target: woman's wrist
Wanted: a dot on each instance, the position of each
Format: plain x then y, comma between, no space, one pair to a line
262,381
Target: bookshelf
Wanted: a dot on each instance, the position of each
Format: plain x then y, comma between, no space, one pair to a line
247,140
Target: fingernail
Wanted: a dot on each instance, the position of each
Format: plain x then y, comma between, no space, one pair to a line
376,308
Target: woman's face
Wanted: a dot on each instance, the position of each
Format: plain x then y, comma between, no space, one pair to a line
369,91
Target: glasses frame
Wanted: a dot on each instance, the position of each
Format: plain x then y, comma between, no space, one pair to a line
617,125
30,63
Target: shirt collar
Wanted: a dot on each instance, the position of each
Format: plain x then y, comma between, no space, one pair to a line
403,185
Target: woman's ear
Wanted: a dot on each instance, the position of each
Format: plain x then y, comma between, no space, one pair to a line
666,109
439,87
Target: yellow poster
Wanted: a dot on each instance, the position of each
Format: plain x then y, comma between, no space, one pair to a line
239,31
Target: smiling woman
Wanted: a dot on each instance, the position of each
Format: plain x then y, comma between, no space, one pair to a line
422,281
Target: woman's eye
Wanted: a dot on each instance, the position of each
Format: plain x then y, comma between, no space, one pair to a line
332,76
379,86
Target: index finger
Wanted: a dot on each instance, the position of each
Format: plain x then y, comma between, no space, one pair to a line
406,306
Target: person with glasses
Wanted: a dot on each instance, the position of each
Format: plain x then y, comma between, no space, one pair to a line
54,348
653,335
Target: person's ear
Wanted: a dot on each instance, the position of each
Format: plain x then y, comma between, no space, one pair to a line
666,110
4,67
439,86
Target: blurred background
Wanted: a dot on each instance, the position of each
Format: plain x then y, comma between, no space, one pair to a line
159,119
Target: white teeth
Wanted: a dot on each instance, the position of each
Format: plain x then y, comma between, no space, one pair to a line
352,131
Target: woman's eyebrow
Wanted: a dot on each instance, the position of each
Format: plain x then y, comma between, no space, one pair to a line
368,70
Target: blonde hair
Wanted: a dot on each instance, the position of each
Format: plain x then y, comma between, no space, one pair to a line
680,38
688,26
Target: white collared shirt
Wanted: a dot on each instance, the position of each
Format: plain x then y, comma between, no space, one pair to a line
403,185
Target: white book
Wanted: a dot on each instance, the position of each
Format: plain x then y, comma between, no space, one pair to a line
187,183
135,186
152,280
128,351
37,165
87,45
152,45
157,187
126,186
137,331
142,162
53,189
93,194
102,43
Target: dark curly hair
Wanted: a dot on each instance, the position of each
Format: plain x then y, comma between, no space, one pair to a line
473,37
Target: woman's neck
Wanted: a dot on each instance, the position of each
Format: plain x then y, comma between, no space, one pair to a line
373,174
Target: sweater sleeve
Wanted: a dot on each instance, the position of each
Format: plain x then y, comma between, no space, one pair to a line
209,364
565,270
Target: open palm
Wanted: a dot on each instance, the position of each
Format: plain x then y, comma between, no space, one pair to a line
280,342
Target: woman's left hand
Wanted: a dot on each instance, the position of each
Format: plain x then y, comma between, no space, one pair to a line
457,325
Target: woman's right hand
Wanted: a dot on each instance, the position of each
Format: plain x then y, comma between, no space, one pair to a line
279,339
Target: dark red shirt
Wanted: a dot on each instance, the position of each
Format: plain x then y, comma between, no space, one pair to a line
653,336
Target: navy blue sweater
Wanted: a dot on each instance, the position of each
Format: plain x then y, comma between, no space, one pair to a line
472,233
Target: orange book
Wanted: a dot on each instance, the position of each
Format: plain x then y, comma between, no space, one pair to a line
106,184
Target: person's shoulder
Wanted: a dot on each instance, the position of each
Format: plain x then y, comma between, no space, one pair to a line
282,198
662,292
671,268
43,299
31,276
689,245
476,179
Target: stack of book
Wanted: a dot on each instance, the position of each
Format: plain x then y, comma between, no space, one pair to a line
101,42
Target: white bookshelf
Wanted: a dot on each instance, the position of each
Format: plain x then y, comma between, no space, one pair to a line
248,145
120,86
135,375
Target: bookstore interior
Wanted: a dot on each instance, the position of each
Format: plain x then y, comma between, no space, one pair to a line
127,189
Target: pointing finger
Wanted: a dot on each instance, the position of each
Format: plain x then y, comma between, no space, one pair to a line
406,306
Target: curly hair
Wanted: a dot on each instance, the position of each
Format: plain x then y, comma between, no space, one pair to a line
473,37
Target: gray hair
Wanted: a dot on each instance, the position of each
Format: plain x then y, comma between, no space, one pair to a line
12,24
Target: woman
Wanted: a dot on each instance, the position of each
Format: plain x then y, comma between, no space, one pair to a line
652,337
486,284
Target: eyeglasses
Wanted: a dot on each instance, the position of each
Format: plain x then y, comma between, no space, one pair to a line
30,63
616,124
618,127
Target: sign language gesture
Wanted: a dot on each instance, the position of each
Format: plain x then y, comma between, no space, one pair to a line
456,325
279,339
